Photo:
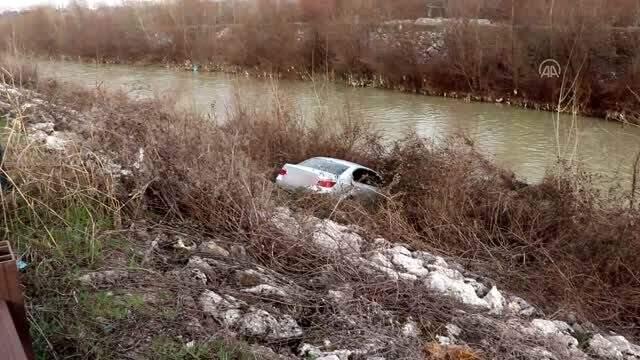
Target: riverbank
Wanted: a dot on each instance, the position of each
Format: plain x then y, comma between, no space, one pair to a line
626,114
155,233
462,58
379,82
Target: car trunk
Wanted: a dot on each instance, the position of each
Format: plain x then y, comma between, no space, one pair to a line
302,176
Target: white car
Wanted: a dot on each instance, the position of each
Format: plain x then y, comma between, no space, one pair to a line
324,175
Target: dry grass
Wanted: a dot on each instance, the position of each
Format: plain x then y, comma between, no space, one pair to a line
559,243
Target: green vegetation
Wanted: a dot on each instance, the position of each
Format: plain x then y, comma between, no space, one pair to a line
164,348
106,305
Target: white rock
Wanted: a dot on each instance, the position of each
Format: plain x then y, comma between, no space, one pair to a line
457,289
38,136
9,89
551,326
309,350
55,142
399,250
26,106
448,272
139,160
257,323
199,276
390,273
332,236
287,328
520,307
558,330
440,261
624,346
545,326
495,300
328,357
231,317
407,277
336,355
211,248
262,324
283,220
604,348
444,340
180,244
409,264
212,303
410,329
46,127
264,289
563,326
453,330
197,262
613,345
338,296
481,289
381,260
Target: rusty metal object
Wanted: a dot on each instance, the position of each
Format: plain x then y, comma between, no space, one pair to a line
14,329
9,340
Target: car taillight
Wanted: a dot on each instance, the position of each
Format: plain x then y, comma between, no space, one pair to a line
283,172
326,183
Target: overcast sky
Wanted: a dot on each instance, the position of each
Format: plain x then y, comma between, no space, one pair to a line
23,4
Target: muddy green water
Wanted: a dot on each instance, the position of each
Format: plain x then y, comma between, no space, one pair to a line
525,141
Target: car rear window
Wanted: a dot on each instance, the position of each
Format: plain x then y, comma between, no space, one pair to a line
325,165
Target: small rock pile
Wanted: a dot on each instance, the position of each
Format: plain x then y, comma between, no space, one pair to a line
41,119
250,321
508,314
57,128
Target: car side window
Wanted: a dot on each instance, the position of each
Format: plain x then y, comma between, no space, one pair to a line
367,177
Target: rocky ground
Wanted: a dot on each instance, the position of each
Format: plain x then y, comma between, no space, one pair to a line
316,290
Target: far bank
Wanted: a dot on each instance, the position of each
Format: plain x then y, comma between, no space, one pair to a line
466,58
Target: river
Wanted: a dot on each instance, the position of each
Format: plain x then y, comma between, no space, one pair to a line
523,140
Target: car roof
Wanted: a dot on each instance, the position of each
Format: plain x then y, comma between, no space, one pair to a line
342,162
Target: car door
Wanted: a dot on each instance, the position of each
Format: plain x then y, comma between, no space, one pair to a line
365,184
